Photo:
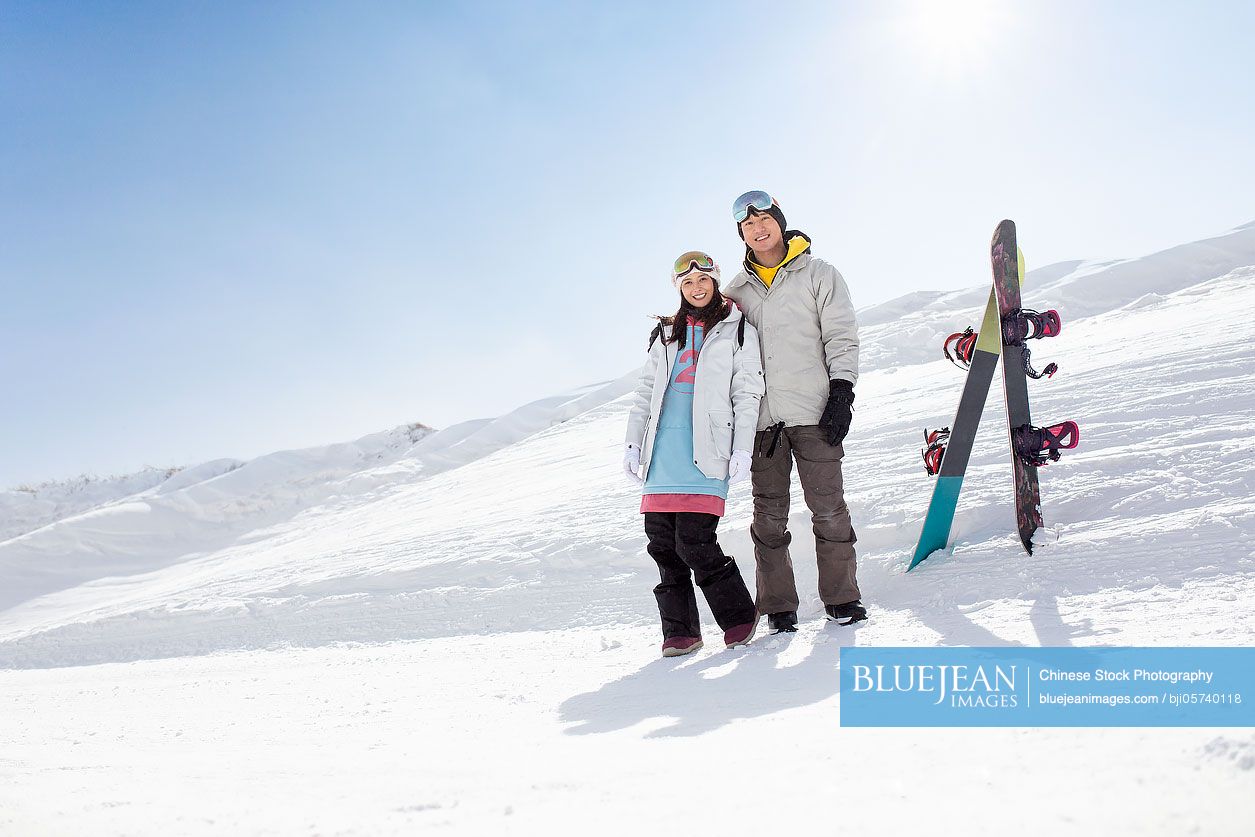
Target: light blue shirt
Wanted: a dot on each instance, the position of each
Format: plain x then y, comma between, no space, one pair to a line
671,468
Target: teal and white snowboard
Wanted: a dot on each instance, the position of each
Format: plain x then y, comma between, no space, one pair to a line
980,375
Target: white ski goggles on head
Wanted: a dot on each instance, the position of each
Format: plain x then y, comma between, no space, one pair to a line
691,261
751,200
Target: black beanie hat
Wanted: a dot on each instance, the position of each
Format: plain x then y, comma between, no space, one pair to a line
774,211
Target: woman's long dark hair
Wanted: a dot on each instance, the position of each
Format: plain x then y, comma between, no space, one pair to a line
708,315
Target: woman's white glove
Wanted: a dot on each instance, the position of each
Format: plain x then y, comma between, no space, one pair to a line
632,463
739,466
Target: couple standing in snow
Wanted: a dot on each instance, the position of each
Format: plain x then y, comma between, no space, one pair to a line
775,383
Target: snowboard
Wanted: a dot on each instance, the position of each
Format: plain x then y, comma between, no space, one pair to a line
1003,256
980,375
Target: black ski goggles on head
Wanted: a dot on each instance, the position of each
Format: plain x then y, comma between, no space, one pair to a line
690,261
751,200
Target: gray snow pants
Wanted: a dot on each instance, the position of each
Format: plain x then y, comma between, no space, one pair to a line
819,469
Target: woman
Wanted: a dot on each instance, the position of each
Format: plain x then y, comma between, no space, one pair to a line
689,434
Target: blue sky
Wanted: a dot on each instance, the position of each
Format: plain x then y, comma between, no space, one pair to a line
234,228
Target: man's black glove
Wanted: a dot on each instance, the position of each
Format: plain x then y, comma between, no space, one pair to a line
835,422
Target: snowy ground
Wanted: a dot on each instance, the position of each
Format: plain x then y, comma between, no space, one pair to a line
461,634
564,732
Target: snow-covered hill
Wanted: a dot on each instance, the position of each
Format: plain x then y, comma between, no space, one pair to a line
279,476
28,507
909,329
508,556
209,508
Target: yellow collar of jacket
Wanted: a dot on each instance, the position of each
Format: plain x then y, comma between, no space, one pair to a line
797,246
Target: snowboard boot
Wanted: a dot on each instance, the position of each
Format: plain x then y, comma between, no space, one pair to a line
784,622
846,614
739,635
679,645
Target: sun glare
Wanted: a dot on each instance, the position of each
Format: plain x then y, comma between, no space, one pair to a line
956,36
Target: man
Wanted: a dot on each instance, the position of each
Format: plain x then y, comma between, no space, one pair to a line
809,340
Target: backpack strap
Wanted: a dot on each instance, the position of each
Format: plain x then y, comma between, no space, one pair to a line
654,335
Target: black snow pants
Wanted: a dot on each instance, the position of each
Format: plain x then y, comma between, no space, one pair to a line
685,548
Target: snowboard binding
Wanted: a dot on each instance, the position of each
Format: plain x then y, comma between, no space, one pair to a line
1038,446
964,344
1026,324
936,441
